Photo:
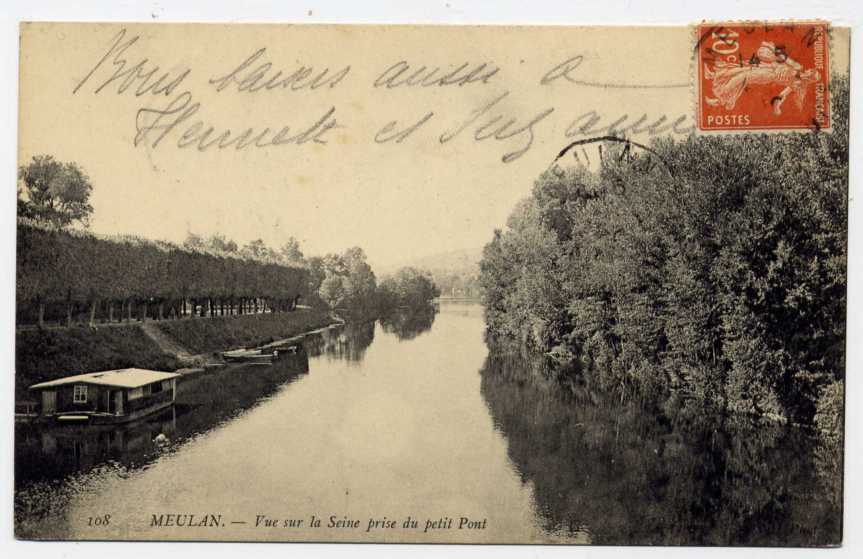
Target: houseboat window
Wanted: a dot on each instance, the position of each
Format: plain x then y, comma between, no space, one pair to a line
136,393
79,394
147,388
156,387
166,385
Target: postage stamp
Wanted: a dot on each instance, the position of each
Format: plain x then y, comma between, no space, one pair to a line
757,76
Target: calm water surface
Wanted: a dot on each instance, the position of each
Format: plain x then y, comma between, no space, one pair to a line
416,417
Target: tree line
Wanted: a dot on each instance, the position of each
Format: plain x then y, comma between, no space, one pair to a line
116,277
343,281
708,268
62,269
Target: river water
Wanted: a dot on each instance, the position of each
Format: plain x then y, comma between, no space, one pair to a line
415,418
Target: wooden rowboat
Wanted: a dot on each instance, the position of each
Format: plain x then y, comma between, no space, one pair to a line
248,356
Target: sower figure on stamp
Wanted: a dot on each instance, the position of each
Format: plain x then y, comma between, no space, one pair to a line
770,65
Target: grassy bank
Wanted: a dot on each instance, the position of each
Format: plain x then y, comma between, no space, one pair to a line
42,355
218,333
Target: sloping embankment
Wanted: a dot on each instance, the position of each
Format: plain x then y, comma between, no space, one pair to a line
220,333
42,355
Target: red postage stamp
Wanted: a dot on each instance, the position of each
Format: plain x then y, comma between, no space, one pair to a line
757,76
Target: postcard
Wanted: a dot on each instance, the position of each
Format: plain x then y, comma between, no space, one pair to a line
432,284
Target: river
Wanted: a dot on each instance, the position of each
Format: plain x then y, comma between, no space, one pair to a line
415,418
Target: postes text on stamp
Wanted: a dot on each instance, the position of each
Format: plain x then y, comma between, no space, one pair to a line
757,76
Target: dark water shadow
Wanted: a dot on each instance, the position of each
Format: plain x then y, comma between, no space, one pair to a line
348,342
629,474
408,324
53,452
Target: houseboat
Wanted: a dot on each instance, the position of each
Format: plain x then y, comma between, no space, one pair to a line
106,397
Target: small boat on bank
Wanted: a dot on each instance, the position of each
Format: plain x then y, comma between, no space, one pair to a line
106,397
253,356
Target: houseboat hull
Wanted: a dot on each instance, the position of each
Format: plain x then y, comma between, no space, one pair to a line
101,418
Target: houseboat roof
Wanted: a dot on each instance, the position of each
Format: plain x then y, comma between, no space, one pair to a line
121,378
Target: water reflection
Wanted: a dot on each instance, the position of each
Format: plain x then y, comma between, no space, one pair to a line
53,463
348,342
543,457
633,476
203,401
408,324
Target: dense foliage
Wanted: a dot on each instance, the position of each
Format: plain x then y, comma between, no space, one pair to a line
407,288
72,268
344,281
712,268
54,192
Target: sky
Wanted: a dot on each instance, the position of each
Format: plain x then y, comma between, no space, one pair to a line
91,94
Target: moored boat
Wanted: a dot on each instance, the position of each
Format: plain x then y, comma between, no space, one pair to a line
106,397
249,356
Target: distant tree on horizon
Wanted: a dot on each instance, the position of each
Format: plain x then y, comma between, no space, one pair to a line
54,192
290,252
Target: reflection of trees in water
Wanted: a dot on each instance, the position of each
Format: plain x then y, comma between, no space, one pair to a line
828,459
203,402
408,324
632,476
348,342
53,463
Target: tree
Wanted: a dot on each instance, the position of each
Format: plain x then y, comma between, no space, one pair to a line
258,250
56,193
333,290
713,267
219,243
408,288
317,273
291,254
361,284
73,268
346,280
194,242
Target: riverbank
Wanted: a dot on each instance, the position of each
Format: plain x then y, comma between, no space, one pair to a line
221,333
42,355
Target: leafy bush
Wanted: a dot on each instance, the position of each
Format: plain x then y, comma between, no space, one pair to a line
711,266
